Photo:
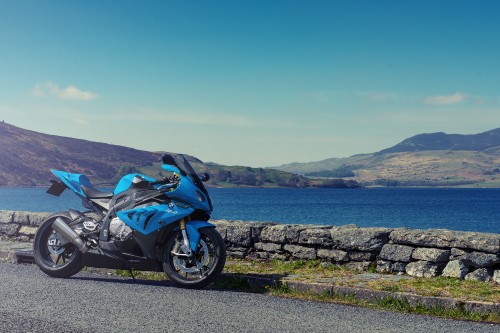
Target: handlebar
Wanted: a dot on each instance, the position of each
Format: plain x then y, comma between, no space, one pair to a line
166,187
158,182
166,183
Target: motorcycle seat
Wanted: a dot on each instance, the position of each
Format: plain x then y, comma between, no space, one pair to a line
93,193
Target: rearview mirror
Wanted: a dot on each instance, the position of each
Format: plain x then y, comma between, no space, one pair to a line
168,159
204,177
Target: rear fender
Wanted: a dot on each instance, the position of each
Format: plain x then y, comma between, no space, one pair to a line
193,231
74,181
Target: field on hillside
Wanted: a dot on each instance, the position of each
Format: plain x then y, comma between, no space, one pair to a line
431,168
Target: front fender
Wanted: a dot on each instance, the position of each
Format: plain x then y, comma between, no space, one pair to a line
192,229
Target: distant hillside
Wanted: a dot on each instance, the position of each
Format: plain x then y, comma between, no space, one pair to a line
436,159
28,156
238,176
443,141
243,176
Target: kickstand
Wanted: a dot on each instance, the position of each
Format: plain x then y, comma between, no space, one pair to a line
132,274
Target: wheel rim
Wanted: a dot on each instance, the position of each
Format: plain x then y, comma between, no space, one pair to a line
194,269
54,252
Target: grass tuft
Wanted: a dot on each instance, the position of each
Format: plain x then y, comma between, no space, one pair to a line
459,312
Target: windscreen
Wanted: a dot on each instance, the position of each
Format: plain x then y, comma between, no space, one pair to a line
185,167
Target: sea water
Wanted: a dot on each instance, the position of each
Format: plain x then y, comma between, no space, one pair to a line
469,209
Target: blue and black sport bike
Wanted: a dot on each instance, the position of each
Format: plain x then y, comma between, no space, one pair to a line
145,224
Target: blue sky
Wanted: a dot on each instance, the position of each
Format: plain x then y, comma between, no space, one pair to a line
257,83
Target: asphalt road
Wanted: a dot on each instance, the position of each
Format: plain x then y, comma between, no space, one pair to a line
30,301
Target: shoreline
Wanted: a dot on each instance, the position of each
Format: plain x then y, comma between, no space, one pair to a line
475,186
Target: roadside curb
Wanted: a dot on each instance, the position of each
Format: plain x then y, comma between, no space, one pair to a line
369,295
19,253
25,256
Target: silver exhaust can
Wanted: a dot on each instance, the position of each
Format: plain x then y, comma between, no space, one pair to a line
69,234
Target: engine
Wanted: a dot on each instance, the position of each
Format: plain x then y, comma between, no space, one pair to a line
118,229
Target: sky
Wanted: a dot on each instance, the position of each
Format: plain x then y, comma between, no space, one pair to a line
258,83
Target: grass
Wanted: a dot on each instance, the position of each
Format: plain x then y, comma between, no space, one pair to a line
303,269
459,312
388,303
312,270
465,290
461,290
141,275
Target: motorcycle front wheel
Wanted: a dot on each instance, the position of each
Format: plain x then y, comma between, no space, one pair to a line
203,267
53,255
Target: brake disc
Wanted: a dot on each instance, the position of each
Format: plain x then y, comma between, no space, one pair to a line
189,265
54,245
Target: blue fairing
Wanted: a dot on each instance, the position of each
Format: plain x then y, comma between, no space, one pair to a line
152,218
188,192
149,219
126,181
74,181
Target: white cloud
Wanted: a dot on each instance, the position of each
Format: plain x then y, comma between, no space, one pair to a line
452,99
70,92
38,91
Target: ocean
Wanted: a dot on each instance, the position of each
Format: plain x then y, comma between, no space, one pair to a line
468,209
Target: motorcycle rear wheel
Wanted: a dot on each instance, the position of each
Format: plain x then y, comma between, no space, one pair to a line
200,270
54,259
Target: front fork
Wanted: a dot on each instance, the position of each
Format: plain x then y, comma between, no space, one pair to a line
191,234
185,238
190,244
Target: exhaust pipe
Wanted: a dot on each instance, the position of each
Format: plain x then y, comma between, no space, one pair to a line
69,234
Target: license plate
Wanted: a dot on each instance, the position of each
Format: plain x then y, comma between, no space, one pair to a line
57,188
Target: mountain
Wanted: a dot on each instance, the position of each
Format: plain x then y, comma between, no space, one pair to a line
443,141
239,176
27,157
435,159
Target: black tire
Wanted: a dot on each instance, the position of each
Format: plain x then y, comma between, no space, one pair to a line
211,255
56,261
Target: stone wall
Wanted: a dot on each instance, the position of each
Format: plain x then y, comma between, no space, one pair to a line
20,226
420,253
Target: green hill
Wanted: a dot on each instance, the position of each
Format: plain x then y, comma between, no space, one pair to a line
443,141
436,159
237,176
28,156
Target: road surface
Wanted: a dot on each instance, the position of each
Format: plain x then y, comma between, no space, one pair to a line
30,301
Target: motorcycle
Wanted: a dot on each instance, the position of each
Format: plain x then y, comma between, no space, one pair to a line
144,224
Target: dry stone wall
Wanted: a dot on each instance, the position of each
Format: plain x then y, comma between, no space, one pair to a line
420,253
20,226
